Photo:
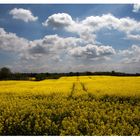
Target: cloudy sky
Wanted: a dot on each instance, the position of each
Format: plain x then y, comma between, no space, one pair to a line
64,38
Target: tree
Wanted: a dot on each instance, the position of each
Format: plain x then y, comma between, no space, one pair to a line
5,73
113,72
40,76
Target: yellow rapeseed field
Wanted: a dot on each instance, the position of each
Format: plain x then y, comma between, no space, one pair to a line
111,85
77,105
97,85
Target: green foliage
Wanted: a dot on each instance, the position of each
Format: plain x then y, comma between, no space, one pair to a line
5,73
40,76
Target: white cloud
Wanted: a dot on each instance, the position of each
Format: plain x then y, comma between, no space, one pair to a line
11,42
50,50
53,44
133,37
58,20
49,45
88,27
65,21
92,51
131,55
95,23
23,14
136,8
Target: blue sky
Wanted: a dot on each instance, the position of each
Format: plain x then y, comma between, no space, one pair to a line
36,30
92,37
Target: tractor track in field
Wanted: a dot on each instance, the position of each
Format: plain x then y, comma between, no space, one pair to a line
72,91
83,87
75,88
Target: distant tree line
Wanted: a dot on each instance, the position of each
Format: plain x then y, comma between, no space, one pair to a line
6,74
